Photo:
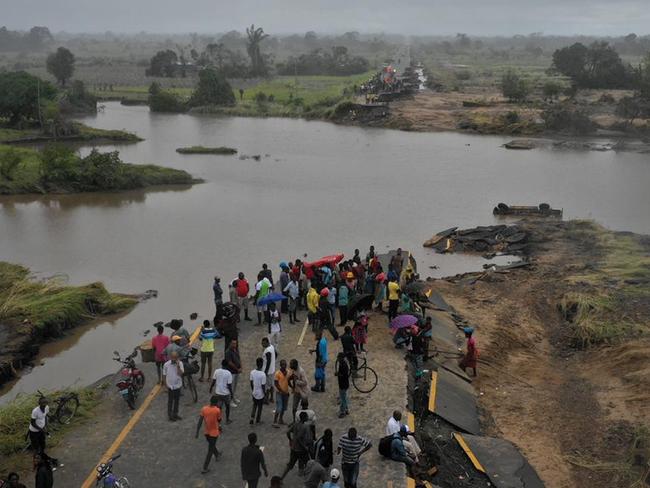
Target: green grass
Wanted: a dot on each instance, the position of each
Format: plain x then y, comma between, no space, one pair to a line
28,179
608,304
206,150
50,304
14,421
84,133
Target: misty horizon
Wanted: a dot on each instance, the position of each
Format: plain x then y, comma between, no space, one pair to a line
286,17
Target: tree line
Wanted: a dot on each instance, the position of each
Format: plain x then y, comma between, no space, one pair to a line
36,39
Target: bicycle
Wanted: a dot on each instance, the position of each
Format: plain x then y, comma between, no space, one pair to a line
66,406
364,378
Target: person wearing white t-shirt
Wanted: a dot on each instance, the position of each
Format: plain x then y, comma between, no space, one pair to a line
173,377
38,426
394,425
268,367
258,384
275,325
222,385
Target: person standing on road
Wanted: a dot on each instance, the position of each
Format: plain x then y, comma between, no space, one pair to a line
299,386
284,281
300,442
275,324
281,383
360,332
321,361
331,301
471,355
293,292
43,469
325,314
207,337
251,460
234,366
228,327
173,377
211,415
312,307
268,367
344,293
262,288
258,383
38,426
393,298
159,343
218,296
324,449
222,387
349,348
343,376
242,288
351,447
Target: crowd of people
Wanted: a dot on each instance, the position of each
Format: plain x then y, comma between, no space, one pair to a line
321,290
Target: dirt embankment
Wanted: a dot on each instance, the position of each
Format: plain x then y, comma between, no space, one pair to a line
574,327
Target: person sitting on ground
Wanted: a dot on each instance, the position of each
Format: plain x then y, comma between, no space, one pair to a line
397,449
471,355
13,481
333,482
394,426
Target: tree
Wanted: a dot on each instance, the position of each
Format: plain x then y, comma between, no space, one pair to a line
212,89
9,162
38,36
253,47
596,66
60,64
571,61
513,87
551,90
163,63
22,94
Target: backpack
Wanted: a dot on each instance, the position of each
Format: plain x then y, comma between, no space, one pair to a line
384,445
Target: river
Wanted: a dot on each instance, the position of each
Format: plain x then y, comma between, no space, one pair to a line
319,188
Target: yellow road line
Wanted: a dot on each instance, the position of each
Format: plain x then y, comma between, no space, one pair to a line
410,483
410,421
304,331
135,418
469,452
432,391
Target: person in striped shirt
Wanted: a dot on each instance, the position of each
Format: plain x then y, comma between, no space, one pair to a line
351,447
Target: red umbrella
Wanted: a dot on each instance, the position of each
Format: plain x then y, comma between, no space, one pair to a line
333,259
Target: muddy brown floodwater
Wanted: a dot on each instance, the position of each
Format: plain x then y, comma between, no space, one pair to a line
318,188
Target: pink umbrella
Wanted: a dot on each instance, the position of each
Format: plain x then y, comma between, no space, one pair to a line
380,277
402,321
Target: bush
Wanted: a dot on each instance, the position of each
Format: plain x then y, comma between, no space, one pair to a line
512,117
551,90
9,162
513,87
212,89
58,163
565,119
463,75
260,98
163,101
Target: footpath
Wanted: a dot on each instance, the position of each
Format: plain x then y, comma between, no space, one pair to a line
156,452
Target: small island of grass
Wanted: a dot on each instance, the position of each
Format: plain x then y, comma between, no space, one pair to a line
58,169
206,150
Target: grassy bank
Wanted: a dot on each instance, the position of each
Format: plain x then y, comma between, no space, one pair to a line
206,150
610,300
41,172
82,133
14,421
50,304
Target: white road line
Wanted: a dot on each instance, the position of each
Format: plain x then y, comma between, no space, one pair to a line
304,331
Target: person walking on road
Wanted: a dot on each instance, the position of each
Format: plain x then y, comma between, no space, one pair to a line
300,442
159,343
258,384
299,386
218,296
343,376
281,383
351,447
324,449
234,366
315,473
207,337
251,460
269,357
321,362
43,470
222,387
471,354
38,426
173,377
275,324
242,288
211,416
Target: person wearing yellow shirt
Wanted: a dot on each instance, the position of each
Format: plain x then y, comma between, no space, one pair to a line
313,299
393,298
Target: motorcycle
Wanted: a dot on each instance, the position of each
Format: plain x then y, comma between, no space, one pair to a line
132,379
107,478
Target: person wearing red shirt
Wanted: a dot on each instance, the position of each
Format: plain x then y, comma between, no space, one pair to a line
159,343
242,288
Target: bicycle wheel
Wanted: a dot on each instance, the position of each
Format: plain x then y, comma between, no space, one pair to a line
192,387
67,409
365,380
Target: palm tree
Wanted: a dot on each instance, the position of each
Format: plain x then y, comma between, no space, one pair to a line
255,38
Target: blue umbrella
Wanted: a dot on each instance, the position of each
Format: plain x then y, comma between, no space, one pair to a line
270,298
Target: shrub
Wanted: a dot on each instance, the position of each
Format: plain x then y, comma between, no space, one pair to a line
164,101
9,162
58,163
512,117
513,87
565,119
260,98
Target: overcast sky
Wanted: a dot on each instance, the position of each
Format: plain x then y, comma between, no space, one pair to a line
478,17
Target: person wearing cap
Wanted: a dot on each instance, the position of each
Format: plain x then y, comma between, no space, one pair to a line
321,361
175,346
218,295
471,355
333,482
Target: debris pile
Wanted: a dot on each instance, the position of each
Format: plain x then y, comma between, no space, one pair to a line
507,239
